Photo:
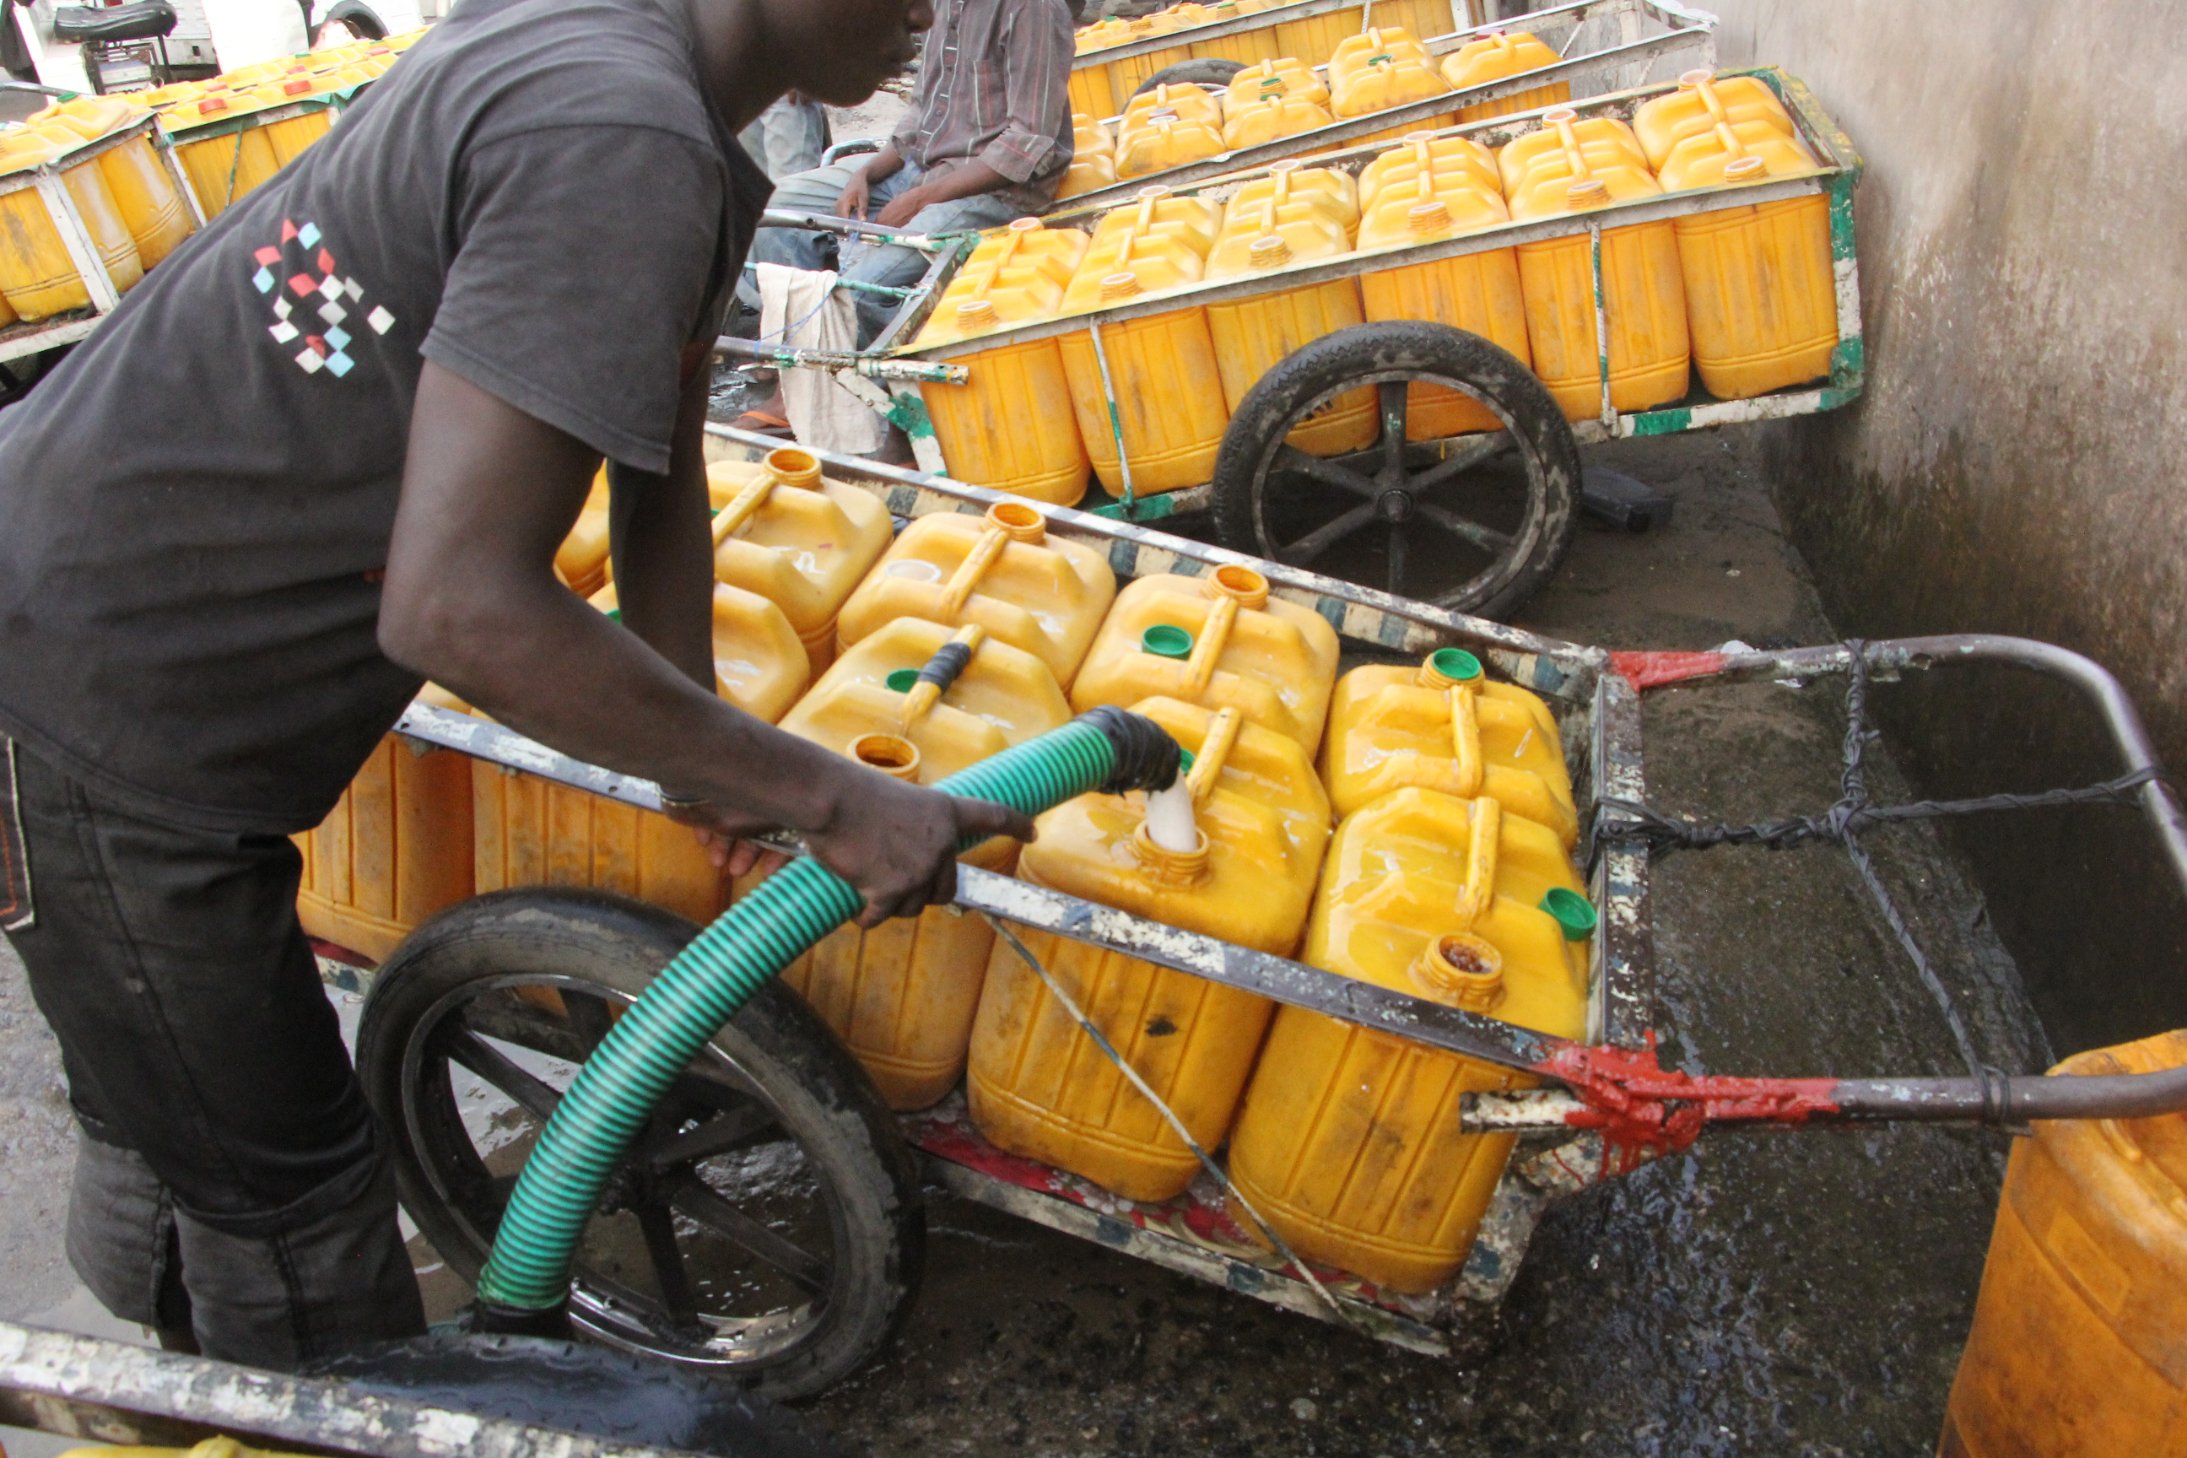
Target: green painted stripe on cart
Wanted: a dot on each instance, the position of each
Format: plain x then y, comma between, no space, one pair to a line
1662,422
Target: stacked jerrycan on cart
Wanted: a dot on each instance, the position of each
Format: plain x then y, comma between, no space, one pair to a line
1760,291
1572,165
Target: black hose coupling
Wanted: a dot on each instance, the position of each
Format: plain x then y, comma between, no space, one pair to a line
1146,757
495,1319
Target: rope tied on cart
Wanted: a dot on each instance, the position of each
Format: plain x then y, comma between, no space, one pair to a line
1630,821
1207,1161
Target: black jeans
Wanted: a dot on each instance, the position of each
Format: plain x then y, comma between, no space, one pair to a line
230,1180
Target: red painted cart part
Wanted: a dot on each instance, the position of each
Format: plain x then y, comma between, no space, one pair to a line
1643,1109
1653,669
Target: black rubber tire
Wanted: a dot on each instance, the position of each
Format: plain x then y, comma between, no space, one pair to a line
1208,72
1372,354
358,17
815,1092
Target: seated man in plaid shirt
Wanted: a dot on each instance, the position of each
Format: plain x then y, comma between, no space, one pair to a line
986,139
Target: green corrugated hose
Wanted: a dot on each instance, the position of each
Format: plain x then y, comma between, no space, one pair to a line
628,1075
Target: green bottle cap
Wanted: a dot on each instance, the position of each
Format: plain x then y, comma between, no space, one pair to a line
902,679
1572,912
1165,641
1455,664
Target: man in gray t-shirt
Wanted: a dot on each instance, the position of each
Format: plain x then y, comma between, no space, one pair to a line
327,450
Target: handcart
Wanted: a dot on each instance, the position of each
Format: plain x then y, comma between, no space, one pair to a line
21,341
1605,45
767,1223
1472,523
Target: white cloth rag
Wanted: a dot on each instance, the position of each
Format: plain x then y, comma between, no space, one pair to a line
804,310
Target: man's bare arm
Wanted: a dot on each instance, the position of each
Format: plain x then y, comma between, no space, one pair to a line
471,601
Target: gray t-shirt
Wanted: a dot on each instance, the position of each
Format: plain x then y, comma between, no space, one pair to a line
195,508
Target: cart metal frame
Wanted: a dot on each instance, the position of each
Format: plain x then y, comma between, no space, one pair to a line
1614,1107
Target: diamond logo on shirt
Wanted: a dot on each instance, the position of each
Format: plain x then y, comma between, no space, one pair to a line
312,300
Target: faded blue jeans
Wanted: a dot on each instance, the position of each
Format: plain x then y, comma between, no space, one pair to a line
818,191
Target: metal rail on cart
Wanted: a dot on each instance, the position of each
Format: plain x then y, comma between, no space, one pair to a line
1568,1140
21,340
1656,40
112,1392
1837,179
1259,20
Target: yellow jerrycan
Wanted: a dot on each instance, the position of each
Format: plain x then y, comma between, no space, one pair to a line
1423,162
228,165
1162,142
1284,76
1255,123
37,277
1087,174
1292,181
531,832
1254,335
582,559
1219,641
1038,593
1238,863
1498,58
1362,52
1348,1141
798,540
1091,137
1446,726
1385,84
1160,371
1180,103
1605,143
919,702
1154,211
759,663
2075,1350
150,204
395,850
1476,292
1702,100
1643,293
293,136
1011,426
1761,296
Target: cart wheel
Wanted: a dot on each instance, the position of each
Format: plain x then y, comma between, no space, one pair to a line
769,1224
1210,73
1475,523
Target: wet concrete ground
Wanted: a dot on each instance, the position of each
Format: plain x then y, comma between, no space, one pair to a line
1788,1294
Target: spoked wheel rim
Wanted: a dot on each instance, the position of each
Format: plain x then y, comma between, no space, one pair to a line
717,1242
1411,493
1473,522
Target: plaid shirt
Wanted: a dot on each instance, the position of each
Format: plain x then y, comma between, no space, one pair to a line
992,88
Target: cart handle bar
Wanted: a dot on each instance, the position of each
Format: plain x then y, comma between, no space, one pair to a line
857,228
1642,1109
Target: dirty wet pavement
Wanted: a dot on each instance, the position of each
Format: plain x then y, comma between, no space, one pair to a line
1782,1294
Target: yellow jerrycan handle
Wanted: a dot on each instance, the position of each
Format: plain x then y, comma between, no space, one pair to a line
1233,588
940,673
1480,884
787,466
1215,749
1007,522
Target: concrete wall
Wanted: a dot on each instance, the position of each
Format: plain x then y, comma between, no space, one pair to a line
2018,462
